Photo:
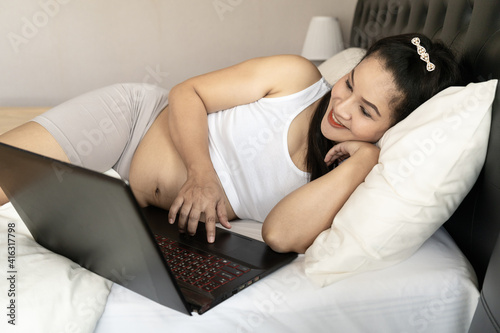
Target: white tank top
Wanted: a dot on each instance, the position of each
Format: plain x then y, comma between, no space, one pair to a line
249,150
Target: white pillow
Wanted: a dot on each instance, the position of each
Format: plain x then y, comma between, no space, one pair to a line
341,64
427,165
45,291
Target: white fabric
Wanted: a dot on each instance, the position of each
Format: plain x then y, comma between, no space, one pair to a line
428,163
432,291
51,293
249,150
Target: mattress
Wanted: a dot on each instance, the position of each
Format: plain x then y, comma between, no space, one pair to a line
433,291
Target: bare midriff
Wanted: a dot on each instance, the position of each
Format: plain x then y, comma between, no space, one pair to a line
157,171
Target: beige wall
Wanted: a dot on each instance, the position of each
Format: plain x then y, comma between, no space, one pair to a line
53,50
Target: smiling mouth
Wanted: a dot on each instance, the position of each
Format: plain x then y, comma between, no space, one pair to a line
333,121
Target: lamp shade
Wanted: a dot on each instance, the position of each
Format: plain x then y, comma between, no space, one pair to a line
323,39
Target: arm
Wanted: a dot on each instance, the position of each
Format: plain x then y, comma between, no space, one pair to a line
189,104
296,221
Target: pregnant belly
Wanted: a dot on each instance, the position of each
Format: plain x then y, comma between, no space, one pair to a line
157,171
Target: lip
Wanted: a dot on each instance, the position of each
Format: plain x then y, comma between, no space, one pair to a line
333,121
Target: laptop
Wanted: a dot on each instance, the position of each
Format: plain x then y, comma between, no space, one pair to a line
94,220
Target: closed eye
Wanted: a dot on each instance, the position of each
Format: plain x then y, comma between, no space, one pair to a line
363,110
348,84
365,113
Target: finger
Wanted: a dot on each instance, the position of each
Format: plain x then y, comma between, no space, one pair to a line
222,214
192,224
329,155
343,158
335,150
184,217
210,221
330,158
174,209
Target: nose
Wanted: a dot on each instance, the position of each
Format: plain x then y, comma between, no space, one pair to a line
344,109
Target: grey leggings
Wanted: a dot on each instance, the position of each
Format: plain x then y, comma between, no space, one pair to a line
102,129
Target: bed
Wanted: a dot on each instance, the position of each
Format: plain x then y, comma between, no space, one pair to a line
448,284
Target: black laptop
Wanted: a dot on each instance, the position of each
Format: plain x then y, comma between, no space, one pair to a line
94,220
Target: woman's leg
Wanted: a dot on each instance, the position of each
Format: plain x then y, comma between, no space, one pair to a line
33,137
98,130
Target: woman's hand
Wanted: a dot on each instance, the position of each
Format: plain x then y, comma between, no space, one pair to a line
346,149
200,195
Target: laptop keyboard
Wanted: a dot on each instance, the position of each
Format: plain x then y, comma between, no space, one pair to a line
200,269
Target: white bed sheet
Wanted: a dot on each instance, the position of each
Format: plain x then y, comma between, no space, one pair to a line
433,291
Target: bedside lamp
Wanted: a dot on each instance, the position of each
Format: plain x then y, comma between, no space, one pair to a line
323,39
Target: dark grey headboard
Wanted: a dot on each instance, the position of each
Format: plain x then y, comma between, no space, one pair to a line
472,29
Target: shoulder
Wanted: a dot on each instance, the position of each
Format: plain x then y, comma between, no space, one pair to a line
293,73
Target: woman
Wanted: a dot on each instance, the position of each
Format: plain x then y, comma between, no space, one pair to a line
233,143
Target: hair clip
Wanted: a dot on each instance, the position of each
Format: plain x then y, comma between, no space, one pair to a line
423,54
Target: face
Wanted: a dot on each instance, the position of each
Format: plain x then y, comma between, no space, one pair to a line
359,107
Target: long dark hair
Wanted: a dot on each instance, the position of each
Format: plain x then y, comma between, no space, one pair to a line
414,82
317,144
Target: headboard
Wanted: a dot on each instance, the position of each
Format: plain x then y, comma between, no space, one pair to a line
472,29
